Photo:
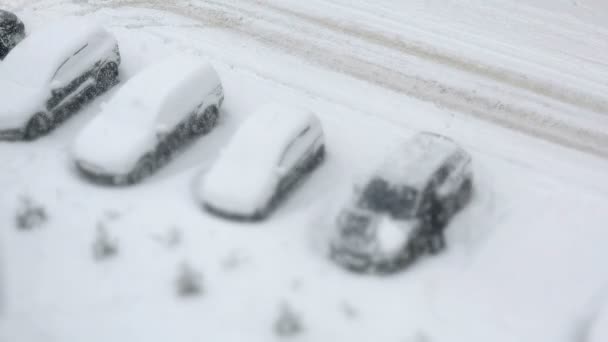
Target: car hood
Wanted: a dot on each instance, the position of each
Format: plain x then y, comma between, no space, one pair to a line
18,104
381,237
111,147
239,189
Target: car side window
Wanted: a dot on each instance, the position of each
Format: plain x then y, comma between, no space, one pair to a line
441,174
293,152
66,72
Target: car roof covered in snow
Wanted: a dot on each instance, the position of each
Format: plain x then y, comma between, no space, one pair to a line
244,176
170,87
414,161
34,61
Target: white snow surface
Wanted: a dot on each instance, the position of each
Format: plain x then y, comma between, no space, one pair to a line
524,260
596,328
247,171
152,102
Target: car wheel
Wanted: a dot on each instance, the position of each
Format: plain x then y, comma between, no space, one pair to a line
319,157
205,122
439,215
435,243
3,51
464,194
164,150
144,168
40,124
107,76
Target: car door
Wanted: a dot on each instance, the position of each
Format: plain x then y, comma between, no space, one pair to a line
71,78
295,154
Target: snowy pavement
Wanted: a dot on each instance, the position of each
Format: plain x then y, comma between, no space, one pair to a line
524,262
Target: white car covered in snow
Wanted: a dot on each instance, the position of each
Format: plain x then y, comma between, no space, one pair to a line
401,212
52,73
272,151
153,115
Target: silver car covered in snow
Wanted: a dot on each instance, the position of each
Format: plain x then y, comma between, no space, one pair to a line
52,73
153,115
401,212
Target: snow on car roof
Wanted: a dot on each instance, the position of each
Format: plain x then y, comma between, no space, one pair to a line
34,61
413,162
185,78
243,177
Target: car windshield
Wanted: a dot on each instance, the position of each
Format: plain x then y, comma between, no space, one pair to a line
354,223
398,201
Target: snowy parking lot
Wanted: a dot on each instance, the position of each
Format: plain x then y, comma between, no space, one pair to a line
522,87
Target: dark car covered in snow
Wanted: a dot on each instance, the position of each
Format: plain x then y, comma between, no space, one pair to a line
12,31
53,73
401,212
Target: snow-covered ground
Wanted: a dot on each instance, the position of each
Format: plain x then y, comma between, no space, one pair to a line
522,85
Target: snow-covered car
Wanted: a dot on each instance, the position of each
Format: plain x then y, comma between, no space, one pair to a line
52,73
12,31
401,212
155,114
271,152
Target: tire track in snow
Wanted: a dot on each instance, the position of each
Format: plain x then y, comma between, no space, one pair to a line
520,116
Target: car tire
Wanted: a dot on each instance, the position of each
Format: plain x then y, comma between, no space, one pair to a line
107,76
163,152
435,243
39,125
438,215
318,158
145,167
205,122
464,194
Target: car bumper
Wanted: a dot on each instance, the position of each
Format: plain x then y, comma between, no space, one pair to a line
12,134
98,175
254,217
351,260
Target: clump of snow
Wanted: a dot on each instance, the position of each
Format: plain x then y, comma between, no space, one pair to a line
392,235
288,323
247,171
189,281
104,246
234,260
349,310
154,100
171,239
30,215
